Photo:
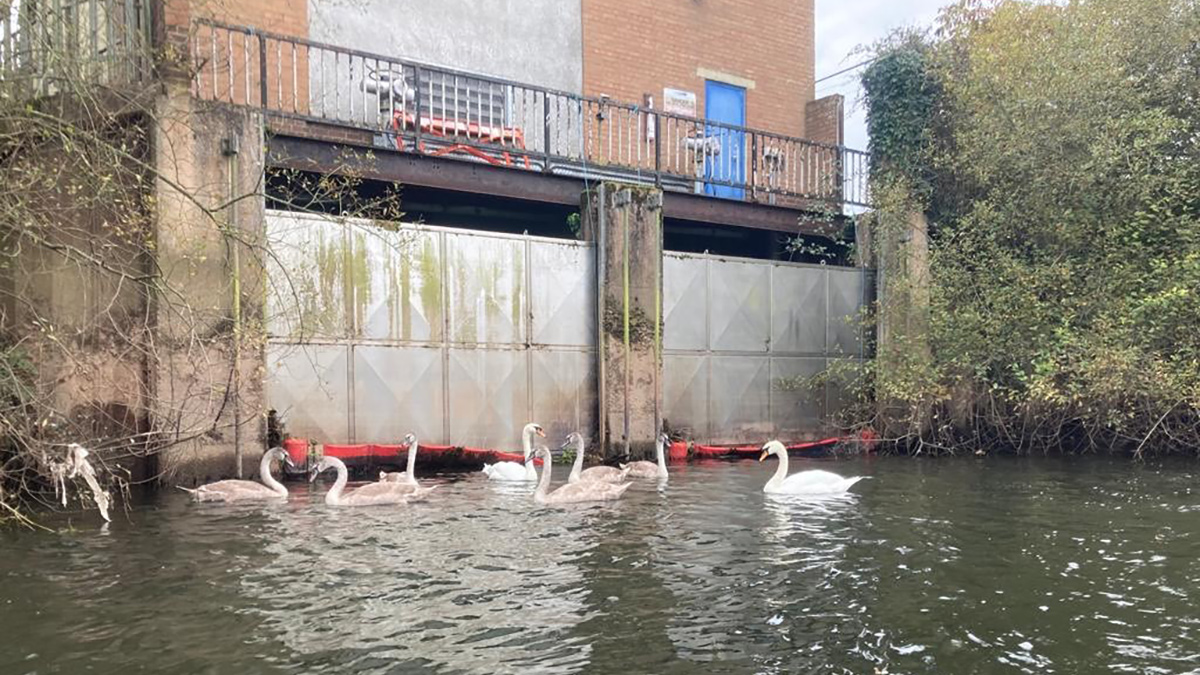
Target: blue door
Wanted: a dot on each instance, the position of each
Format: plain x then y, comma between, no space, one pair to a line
725,156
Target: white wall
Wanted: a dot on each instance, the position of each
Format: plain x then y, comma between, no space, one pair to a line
531,41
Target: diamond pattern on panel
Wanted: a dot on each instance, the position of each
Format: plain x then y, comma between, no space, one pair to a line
396,284
486,289
685,394
685,303
397,390
306,291
739,308
309,389
740,391
563,392
845,298
563,293
489,398
798,323
797,410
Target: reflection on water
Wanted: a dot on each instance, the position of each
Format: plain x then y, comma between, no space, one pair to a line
931,566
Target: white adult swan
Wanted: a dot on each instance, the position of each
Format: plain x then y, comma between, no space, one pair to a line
815,482
604,474
407,480
245,490
370,494
644,469
517,470
573,493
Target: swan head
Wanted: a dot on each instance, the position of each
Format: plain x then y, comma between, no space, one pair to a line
663,439
325,463
281,455
772,448
574,440
409,439
534,428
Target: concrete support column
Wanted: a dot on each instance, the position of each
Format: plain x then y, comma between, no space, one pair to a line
207,365
625,222
903,318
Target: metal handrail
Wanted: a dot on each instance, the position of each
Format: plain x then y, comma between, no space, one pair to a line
430,109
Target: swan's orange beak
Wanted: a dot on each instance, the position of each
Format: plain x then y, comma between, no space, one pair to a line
764,455
540,432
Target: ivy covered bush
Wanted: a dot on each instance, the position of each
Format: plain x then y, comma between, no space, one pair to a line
1054,150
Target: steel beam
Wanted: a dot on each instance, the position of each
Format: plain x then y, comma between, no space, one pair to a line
308,154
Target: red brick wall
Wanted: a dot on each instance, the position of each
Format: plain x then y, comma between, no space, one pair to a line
289,17
218,54
825,119
637,47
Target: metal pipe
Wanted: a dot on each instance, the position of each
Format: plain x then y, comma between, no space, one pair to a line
626,299
658,364
231,150
597,198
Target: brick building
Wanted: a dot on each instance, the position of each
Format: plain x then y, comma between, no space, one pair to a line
685,127
759,52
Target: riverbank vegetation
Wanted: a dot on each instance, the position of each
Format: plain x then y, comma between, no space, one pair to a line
1051,153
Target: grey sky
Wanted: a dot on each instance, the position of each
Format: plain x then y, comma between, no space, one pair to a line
844,25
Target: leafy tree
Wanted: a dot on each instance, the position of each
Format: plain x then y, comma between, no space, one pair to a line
1055,149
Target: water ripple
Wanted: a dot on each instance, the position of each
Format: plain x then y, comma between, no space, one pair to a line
932,566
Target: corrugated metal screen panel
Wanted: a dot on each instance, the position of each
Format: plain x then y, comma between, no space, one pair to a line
739,308
740,391
486,289
564,386
489,396
397,284
845,302
306,277
308,387
719,314
799,310
476,383
685,394
562,293
685,302
398,390
797,408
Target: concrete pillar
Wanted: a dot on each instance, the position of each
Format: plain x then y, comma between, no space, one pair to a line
207,370
625,222
903,319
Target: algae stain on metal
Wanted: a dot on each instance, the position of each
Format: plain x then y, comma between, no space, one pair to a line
465,330
400,297
431,286
359,278
323,307
518,289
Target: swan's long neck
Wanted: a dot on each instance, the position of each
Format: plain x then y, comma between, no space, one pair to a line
661,457
577,467
781,471
334,496
264,472
527,447
412,462
544,481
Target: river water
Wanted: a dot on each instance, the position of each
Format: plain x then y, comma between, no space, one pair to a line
932,566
